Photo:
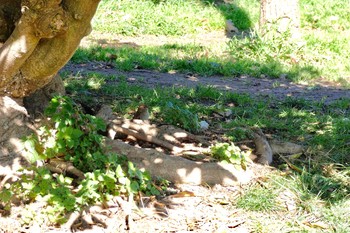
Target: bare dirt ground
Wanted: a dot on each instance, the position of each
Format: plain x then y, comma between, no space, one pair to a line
258,87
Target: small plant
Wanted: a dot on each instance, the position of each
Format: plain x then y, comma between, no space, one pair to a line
230,153
74,137
70,134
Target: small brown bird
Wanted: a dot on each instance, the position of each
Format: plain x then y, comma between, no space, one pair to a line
142,113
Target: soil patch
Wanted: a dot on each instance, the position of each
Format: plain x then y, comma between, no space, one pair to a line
256,87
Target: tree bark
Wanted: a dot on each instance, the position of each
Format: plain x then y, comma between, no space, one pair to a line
46,35
284,14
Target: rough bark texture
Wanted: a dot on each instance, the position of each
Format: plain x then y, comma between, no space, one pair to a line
46,34
36,102
284,13
9,14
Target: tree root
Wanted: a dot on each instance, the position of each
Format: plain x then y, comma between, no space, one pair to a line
180,170
266,149
285,148
139,132
165,136
170,167
60,166
263,149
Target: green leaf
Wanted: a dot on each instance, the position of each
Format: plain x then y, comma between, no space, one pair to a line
30,152
134,187
5,195
119,172
154,191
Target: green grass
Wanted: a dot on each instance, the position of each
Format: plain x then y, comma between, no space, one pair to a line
324,53
171,17
321,127
195,58
258,199
323,186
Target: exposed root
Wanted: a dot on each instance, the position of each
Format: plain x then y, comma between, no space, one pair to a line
61,166
180,142
266,149
263,149
139,132
165,136
288,148
180,170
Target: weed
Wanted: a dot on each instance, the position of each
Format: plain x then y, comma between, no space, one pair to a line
74,136
230,153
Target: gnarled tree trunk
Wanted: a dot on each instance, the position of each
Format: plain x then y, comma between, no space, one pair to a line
39,37
284,14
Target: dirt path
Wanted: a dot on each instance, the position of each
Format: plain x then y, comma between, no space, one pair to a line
277,88
262,87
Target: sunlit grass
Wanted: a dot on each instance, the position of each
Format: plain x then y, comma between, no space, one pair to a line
171,17
322,55
320,191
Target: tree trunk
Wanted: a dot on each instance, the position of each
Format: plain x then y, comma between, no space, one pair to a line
39,38
283,14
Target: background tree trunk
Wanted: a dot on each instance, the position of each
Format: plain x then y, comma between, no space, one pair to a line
284,14
39,38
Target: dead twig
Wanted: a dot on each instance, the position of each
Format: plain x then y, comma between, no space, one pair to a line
292,166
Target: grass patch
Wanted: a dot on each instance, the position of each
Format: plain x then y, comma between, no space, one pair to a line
323,186
325,32
169,17
322,189
258,199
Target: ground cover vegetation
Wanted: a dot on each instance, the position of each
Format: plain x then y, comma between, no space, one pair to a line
324,128
318,179
317,182
324,39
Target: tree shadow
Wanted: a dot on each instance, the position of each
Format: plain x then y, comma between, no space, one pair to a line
15,124
126,57
238,21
